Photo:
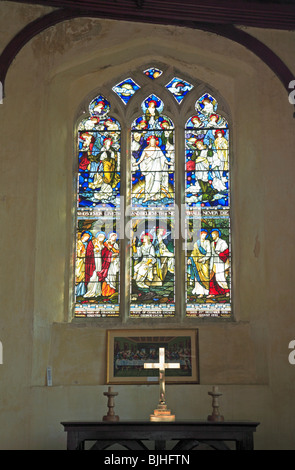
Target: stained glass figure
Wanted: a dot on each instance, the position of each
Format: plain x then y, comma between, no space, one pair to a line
207,159
208,266
126,89
207,201
206,105
99,107
98,204
179,88
97,268
152,266
153,73
153,157
99,162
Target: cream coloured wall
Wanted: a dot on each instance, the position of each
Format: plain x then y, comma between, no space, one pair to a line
46,87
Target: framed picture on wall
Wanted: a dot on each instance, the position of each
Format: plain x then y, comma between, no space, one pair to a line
129,350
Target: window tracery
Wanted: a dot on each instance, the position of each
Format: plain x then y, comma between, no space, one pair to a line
154,236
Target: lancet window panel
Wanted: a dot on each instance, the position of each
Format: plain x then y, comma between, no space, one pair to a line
207,198
97,266
152,286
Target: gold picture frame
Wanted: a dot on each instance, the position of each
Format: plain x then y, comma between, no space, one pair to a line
128,350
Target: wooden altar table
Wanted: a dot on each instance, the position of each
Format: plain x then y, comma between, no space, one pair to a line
186,434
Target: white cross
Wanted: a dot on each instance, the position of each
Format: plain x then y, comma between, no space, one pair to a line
161,365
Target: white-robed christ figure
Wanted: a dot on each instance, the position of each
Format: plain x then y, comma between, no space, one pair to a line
154,166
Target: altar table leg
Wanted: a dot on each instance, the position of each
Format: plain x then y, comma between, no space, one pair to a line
246,442
73,441
160,445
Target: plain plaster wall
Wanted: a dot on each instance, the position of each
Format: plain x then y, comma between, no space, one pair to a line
248,358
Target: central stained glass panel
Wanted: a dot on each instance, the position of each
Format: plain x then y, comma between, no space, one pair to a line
152,212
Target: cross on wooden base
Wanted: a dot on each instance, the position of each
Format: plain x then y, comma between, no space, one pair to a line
161,413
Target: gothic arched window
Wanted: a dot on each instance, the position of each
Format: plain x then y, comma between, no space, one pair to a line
153,205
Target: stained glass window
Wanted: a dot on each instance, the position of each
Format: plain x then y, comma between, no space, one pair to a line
126,89
153,73
179,88
152,242
207,210
152,195
98,203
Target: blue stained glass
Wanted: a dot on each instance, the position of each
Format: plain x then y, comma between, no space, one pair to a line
179,88
206,105
207,168
153,155
152,107
126,89
153,73
99,107
207,156
99,163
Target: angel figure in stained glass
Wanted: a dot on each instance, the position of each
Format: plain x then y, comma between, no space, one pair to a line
167,140
152,114
207,168
99,107
221,145
106,178
136,146
86,145
207,105
164,257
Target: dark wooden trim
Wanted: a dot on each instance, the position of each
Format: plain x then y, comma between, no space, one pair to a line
228,31
238,12
26,34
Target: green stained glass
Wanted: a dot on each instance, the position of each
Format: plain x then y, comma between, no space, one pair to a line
152,265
